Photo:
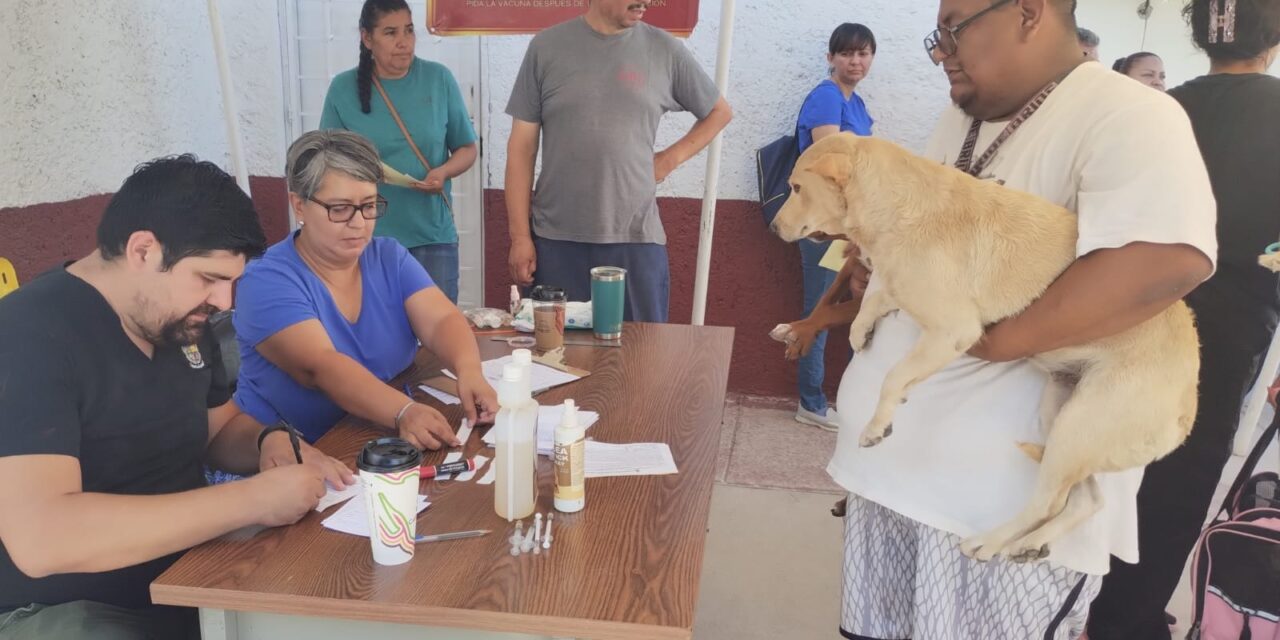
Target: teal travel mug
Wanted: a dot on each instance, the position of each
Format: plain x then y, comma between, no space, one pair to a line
608,292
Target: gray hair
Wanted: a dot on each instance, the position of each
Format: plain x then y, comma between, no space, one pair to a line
1087,38
313,155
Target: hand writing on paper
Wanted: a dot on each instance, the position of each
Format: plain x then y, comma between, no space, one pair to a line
426,428
282,495
479,400
278,452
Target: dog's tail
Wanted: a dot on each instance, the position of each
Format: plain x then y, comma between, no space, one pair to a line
1033,451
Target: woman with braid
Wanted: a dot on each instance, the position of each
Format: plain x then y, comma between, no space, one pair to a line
392,87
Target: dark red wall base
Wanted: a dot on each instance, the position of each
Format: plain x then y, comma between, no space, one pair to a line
754,285
41,236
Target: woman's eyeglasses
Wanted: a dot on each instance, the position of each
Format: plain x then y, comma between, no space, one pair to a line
343,213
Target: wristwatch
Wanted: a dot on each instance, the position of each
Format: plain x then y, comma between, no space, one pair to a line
266,431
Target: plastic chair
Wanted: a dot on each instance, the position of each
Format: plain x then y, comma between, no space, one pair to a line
8,278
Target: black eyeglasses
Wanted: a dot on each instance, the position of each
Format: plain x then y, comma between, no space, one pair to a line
943,40
343,213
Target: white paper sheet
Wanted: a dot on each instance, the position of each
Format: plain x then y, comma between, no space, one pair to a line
334,496
488,476
353,519
635,459
464,431
541,377
548,420
440,395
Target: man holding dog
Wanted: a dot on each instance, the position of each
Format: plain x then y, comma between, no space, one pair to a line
1031,114
591,92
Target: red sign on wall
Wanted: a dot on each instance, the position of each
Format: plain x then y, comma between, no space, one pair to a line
504,17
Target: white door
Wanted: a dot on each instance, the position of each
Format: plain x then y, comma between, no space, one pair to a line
320,39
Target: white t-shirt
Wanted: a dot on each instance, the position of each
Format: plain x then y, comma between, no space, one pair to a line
1123,157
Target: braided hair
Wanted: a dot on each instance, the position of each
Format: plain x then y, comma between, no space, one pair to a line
369,15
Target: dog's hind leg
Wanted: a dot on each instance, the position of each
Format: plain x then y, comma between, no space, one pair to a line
875,305
1084,500
934,350
1068,460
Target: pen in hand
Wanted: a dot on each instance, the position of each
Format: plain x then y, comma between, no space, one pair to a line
293,433
293,441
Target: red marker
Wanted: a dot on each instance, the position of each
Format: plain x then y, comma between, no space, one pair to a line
448,469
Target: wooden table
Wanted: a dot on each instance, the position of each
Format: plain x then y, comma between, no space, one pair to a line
627,566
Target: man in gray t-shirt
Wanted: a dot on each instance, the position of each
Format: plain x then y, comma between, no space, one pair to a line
594,89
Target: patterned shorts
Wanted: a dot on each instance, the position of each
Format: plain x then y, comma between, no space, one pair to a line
907,581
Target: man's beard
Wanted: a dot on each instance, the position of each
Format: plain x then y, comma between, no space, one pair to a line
183,331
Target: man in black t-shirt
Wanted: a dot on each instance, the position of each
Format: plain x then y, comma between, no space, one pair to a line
112,399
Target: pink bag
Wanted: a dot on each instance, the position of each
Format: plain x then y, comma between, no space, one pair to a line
1236,568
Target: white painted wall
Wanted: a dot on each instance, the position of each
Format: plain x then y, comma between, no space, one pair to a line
90,88
779,54
1167,35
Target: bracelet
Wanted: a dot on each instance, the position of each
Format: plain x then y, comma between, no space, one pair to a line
266,431
403,410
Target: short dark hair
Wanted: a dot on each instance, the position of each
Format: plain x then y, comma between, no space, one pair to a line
1123,65
192,206
1257,29
851,36
1087,37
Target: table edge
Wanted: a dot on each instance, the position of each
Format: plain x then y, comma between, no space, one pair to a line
314,607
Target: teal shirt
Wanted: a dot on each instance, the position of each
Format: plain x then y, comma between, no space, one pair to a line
428,100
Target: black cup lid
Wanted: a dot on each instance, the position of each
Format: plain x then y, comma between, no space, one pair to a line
543,293
388,455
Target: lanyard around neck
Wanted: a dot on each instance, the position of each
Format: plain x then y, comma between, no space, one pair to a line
965,161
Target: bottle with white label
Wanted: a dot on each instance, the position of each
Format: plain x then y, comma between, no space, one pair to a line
515,490
570,445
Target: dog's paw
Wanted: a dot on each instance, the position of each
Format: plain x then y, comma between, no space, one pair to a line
783,333
1029,554
873,437
858,338
972,548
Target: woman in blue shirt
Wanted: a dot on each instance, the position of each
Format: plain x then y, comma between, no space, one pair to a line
328,315
831,107
426,97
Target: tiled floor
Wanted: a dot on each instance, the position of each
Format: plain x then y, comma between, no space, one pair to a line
772,564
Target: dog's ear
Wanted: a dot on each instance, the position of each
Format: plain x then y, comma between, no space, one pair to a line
835,167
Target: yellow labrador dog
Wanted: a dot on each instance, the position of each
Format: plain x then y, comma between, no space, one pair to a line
957,254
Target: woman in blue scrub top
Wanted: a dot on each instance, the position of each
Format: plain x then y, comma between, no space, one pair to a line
427,98
331,313
833,106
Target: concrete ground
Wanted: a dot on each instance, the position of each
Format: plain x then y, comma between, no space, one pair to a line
772,564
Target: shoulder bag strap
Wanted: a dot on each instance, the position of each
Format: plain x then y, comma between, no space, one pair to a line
408,138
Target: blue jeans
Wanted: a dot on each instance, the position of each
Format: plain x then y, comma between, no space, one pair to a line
568,265
441,263
817,280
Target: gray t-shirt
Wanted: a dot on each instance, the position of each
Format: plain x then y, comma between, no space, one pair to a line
598,100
